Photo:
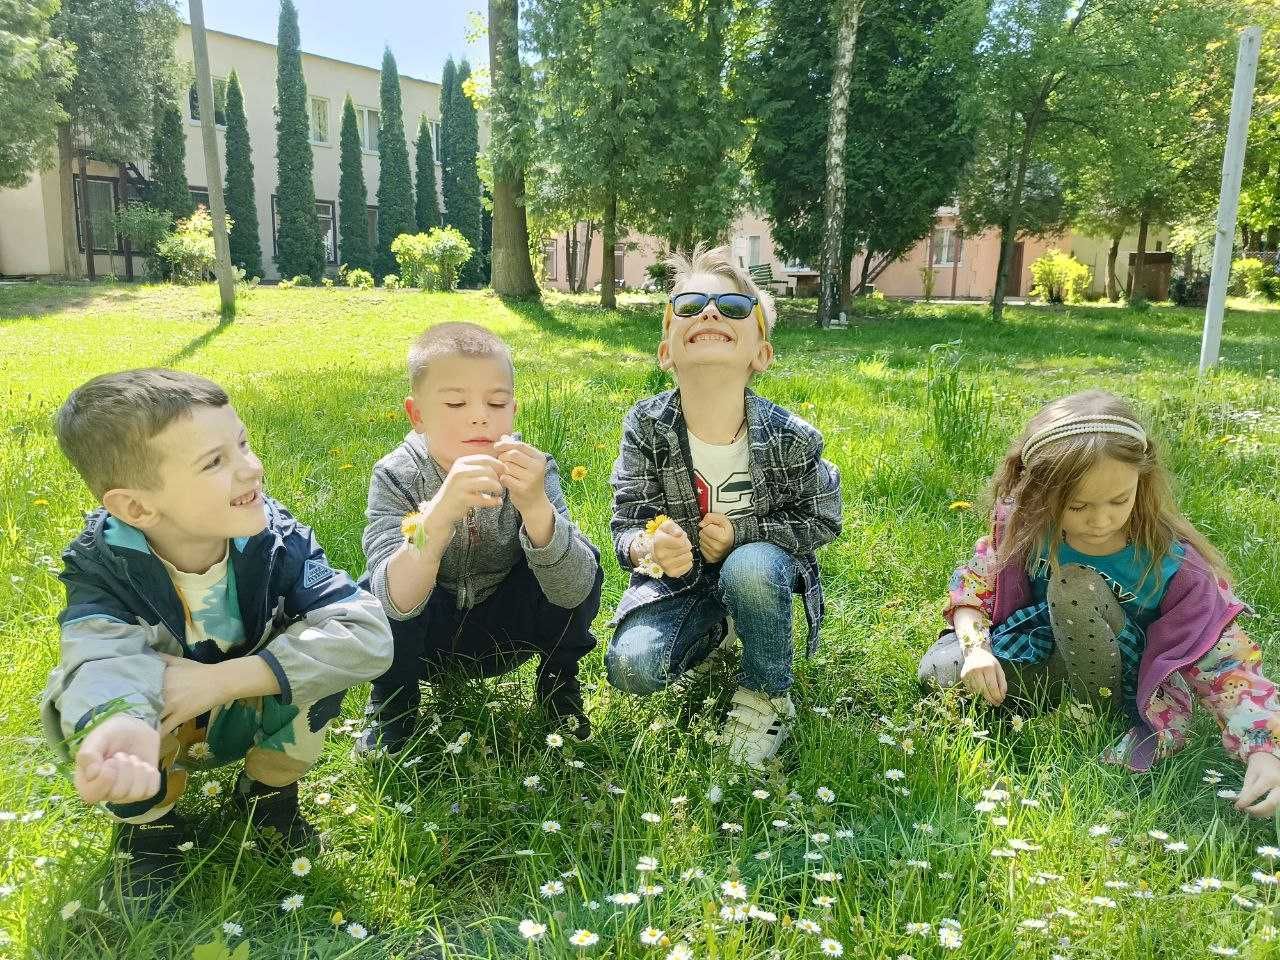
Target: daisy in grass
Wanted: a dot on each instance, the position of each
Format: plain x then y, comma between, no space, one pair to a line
693,873
825,794
647,864
652,936
824,901
894,775
356,932
1269,853
550,826
301,866
950,938
806,925
555,740
1099,830
651,889
290,904
211,789
552,888
764,916
626,899
828,876
232,929
651,817
584,938
731,827
681,951
919,929
1177,846
734,889
734,913
760,794
714,795
70,909
831,948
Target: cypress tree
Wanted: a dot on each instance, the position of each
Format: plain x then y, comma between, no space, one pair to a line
395,184
448,79
464,206
353,198
246,252
299,246
428,204
169,189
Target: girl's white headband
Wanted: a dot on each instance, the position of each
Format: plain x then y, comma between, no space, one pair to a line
1087,423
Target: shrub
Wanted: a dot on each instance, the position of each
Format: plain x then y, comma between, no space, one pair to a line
661,275
1252,273
188,251
326,282
391,282
144,225
360,279
303,280
1269,287
1059,278
1190,291
431,260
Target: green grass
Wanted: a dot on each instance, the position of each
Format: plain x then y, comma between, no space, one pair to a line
317,376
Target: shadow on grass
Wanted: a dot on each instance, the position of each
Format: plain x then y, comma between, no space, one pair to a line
46,300
197,343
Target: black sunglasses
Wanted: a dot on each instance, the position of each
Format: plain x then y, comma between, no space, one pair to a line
735,306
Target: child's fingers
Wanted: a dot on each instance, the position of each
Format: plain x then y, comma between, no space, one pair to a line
1267,806
1002,681
1253,788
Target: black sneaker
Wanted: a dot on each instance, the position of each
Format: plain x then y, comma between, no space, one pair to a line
274,812
384,736
154,863
561,697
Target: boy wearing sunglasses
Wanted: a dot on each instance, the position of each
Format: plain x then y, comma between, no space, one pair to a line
721,500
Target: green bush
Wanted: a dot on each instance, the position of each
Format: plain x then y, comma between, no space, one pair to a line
1269,287
1255,275
391,282
360,279
431,260
1059,278
303,280
188,251
144,225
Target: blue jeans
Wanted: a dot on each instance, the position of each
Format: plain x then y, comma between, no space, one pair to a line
656,643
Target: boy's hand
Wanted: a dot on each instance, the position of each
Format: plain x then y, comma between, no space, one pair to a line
1261,780
672,550
192,689
473,481
118,762
524,474
982,674
715,537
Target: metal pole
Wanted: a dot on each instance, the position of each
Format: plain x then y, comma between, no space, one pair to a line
1229,199
213,169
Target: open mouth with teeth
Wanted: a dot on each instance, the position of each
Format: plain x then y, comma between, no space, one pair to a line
247,499
709,336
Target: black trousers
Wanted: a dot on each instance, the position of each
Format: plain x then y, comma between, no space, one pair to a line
494,637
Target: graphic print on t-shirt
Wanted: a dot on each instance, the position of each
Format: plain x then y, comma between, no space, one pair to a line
732,496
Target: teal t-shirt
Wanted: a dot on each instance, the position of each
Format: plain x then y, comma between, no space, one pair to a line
1138,590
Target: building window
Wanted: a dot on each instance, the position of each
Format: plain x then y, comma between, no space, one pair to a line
368,119
619,261
753,251
549,259
318,120
200,197
943,249
103,200
219,102
328,228
435,139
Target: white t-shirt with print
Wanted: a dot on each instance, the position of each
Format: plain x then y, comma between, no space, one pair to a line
211,604
722,475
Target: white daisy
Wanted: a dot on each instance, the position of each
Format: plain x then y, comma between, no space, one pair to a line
647,864
46,770
808,926
211,789
532,783
626,899
555,740
651,889
764,916
1269,853
550,826
760,794
70,909
825,794
894,775
552,888
1176,846
919,929
1034,924
356,932
532,930
831,948
301,866
828,876
824,901
232,929
584,938
1099,830
651,817
734,889
651,936
731,827
950,938
681,951
290,904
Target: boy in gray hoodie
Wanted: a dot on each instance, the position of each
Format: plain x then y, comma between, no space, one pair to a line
469,543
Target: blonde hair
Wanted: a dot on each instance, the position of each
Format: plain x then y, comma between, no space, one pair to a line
456,339
716,262
1041,489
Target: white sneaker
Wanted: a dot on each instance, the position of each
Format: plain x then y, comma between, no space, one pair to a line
756,726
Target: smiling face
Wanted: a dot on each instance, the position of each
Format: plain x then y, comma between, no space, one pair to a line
463,405
1096,517
711,341
208,489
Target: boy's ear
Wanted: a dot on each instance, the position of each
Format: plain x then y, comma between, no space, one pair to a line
131,506
763,357
664,355
415,415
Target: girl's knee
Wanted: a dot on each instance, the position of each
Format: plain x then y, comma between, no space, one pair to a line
941,665
759,571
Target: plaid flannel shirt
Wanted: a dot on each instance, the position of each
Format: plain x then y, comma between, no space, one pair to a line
795,496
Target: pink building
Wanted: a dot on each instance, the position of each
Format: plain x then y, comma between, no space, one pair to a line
963,267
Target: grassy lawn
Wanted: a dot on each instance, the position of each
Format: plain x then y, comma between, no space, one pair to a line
446,854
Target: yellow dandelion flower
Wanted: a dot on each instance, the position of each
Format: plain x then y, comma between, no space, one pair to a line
578,473
39,502
960,505
414,529
347,466
337,918
652,526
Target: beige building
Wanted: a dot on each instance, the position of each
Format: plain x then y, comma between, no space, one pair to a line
963,267
32,240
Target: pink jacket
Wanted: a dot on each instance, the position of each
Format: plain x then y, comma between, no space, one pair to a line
1193,646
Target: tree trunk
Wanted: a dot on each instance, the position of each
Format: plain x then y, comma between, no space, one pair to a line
584,255
212,162
866,272
1009,230
71,264
846,277
569,239
128,249
86,221
609,238
955,259
511,273
1136,289
837,127
1113,285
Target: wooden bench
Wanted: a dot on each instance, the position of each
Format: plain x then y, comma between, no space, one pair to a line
762,275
